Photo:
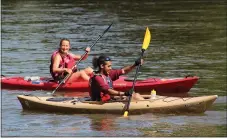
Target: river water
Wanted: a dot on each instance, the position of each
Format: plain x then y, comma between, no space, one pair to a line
188,38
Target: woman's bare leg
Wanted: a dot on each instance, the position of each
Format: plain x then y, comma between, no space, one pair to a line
88,70
84,74
75,76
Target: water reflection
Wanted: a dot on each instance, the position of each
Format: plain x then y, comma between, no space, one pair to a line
102,122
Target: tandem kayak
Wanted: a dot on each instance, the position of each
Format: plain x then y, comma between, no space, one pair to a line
160,104
163,86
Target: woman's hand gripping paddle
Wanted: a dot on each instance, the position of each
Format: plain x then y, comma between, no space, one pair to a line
77,63
145,45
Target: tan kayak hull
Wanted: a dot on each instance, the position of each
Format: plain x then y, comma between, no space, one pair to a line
162,104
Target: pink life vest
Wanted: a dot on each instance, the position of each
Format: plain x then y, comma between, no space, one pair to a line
66,62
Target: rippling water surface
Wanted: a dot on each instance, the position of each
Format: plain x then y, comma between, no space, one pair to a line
188,38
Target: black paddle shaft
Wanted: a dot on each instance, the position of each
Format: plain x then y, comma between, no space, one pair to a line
134,81
100,36
77,63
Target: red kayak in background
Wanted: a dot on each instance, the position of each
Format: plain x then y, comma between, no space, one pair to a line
163,86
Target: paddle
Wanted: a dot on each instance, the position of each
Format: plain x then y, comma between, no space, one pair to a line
77,63
145,45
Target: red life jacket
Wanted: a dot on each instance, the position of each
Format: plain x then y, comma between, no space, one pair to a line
95,92
66,62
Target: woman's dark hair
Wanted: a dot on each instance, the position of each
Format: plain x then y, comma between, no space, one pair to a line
99,61
64,39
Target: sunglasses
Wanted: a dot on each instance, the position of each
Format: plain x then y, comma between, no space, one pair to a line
107,59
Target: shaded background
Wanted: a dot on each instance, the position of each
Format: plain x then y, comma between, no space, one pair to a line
188,38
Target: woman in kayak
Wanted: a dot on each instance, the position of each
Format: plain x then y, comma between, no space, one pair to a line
62,62
101,82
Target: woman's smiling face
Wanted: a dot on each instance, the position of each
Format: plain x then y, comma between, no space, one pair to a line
65,46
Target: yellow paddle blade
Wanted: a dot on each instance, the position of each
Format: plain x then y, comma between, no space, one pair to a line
126,114
147,39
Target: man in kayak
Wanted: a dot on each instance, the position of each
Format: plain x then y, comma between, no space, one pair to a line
101,82
62,62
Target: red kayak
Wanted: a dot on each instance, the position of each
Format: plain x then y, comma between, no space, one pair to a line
163,86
